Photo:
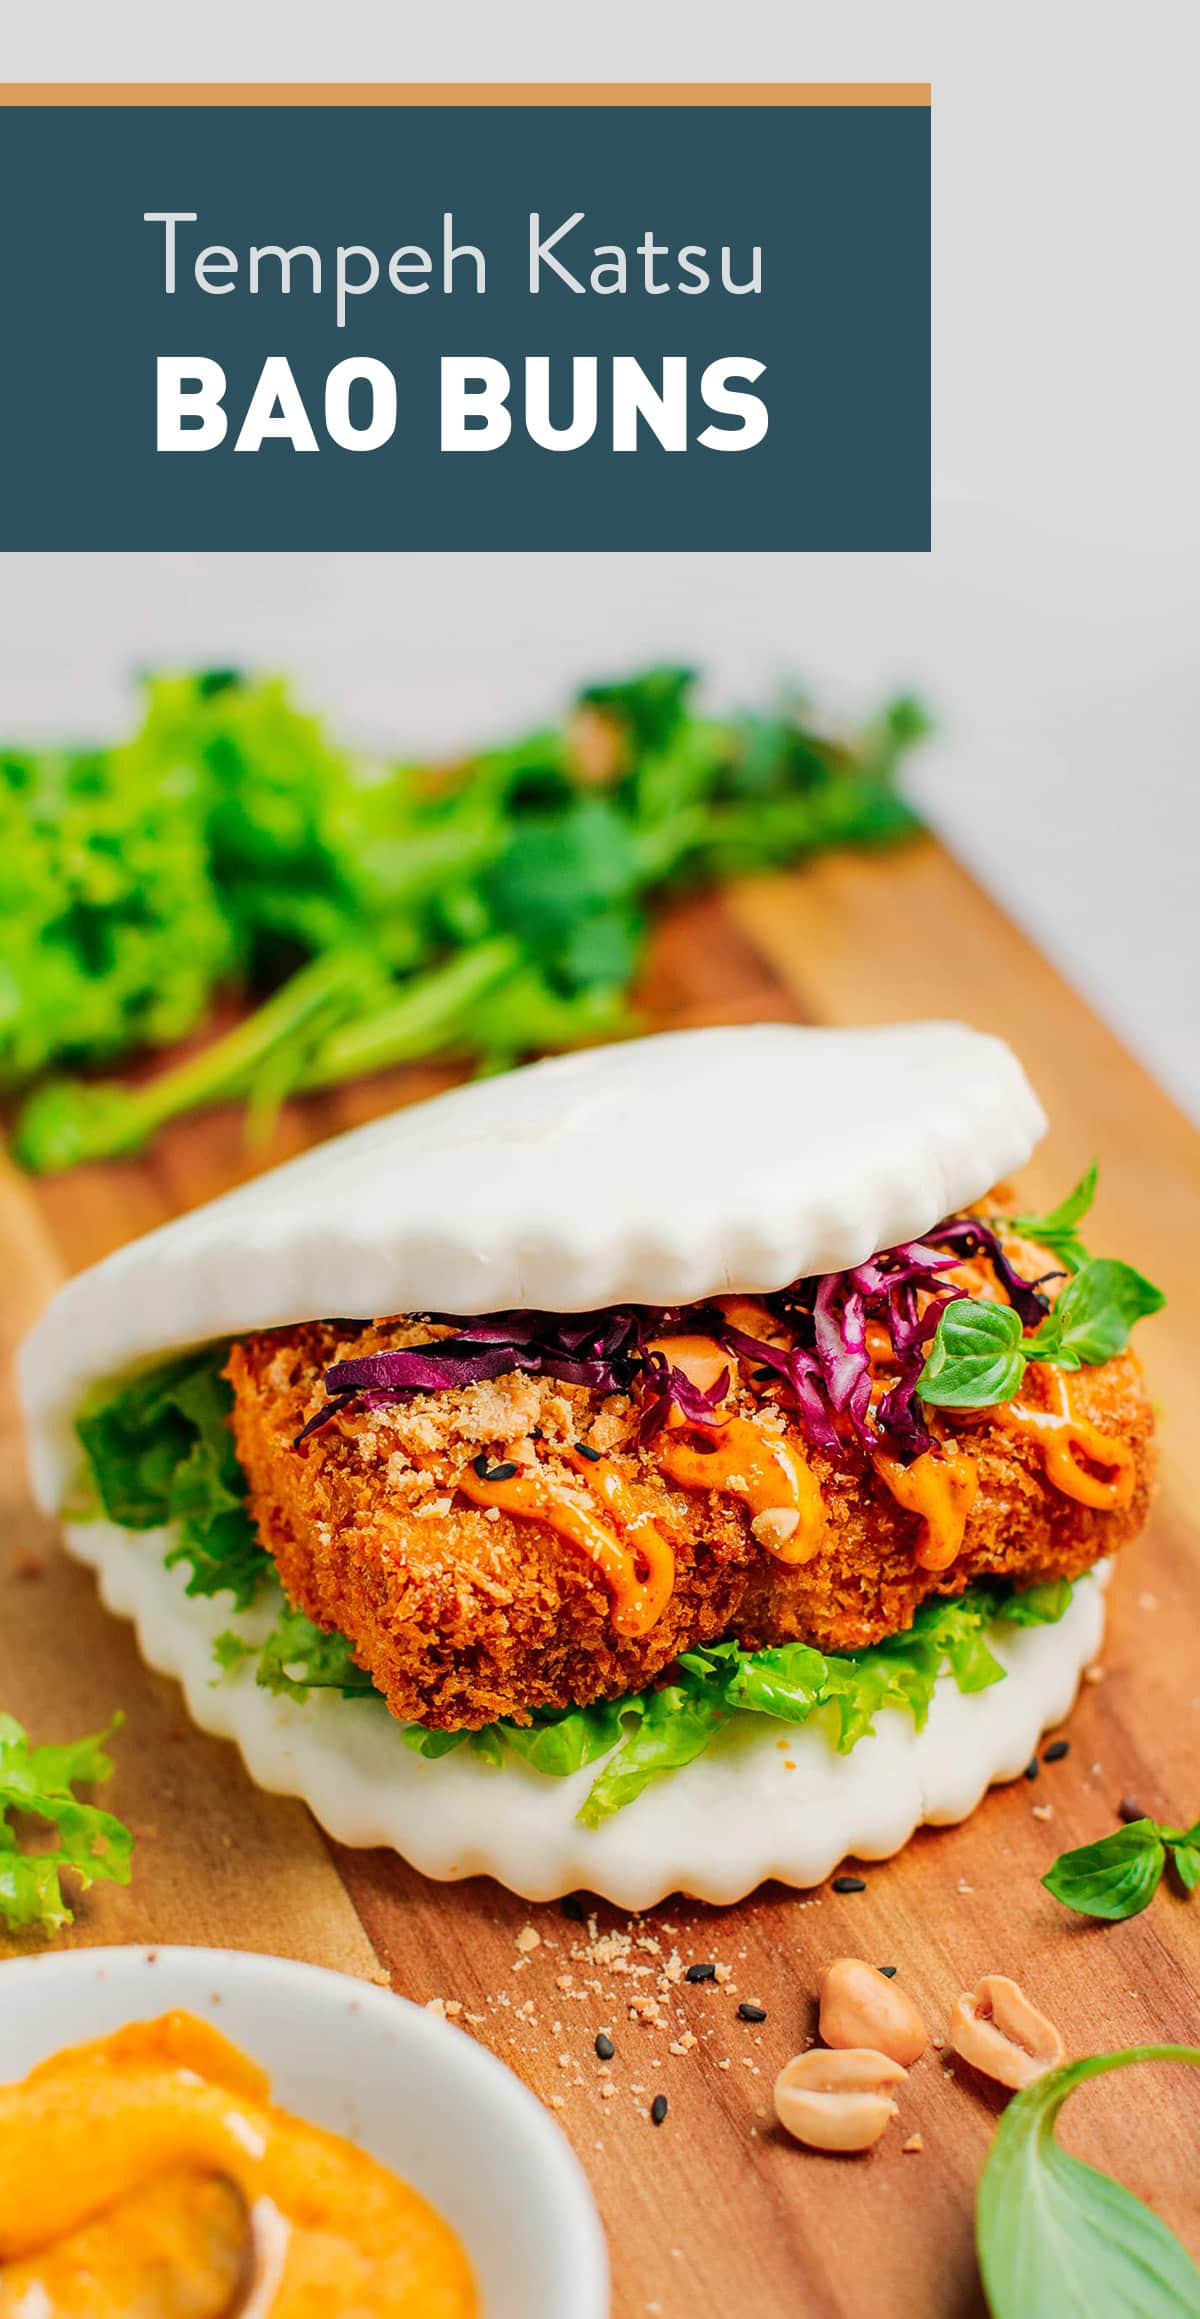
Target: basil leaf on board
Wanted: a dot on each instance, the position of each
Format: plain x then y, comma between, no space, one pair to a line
1056,1232
1115,1878
1185,1859
975,1360
1058,2240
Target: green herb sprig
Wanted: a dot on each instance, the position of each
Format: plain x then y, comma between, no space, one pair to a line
39,1783
981,1351
1119,1876
1059,2240
1058,1232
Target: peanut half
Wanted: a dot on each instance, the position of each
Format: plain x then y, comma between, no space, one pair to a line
837,2101
998,2031
860,2007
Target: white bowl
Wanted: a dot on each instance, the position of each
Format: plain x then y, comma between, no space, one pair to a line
419,2095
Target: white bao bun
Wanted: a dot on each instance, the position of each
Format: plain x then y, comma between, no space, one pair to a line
657,1172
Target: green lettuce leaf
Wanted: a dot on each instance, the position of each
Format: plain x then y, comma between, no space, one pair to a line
296,1657
160,1450
39,1783
658,1731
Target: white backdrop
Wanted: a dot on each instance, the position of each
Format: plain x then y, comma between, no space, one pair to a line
1053,626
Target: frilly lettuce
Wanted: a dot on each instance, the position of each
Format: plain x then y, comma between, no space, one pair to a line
39,1783
660,1730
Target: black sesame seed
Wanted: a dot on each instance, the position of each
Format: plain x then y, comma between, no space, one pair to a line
701,1973
1032,1768
535,1434
752,2012
584,1450
604,2046
849,1884
1129,1809
571,1906
658,2109
888,1971
763,1376
480,1464
1056,1751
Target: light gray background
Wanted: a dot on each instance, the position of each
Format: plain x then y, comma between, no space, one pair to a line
1054,625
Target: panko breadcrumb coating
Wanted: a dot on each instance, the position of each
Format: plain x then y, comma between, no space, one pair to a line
464,1613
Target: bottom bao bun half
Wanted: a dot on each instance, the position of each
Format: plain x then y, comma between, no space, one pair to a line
717,1477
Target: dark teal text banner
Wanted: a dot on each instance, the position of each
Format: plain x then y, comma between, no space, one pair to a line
476,327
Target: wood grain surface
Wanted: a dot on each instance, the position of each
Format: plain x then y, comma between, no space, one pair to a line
713,2212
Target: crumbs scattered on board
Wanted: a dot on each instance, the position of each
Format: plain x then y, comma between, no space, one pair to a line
616,2003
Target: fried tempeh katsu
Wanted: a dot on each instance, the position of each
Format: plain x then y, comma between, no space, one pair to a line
523,1540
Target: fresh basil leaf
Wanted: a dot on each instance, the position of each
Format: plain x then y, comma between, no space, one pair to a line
1185,1859
975,1360
1115,1878
1096,1311
1057,2239
1056,1232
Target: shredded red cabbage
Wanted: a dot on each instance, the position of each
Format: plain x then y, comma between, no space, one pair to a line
825,1367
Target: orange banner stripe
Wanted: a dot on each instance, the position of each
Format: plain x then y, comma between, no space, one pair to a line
464,93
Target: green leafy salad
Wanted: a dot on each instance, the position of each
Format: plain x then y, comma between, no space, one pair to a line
37,1793
373,914
159,1451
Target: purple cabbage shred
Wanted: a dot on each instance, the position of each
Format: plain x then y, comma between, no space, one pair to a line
825,1367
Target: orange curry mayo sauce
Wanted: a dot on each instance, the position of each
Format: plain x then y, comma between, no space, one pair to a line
770,1473
149,2173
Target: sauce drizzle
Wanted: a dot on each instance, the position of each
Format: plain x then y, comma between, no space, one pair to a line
1062,1437
942,1490
637,1567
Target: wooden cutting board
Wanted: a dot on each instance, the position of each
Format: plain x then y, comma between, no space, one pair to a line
713,2212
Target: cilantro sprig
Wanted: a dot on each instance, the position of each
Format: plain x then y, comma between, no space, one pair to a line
38,1784
1118,1876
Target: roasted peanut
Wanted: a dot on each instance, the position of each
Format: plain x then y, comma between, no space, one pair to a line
837,2101
860,2007
998,2031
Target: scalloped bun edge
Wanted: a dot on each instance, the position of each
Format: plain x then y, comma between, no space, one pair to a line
767,1801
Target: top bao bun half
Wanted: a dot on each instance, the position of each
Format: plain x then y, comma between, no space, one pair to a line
659,1172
